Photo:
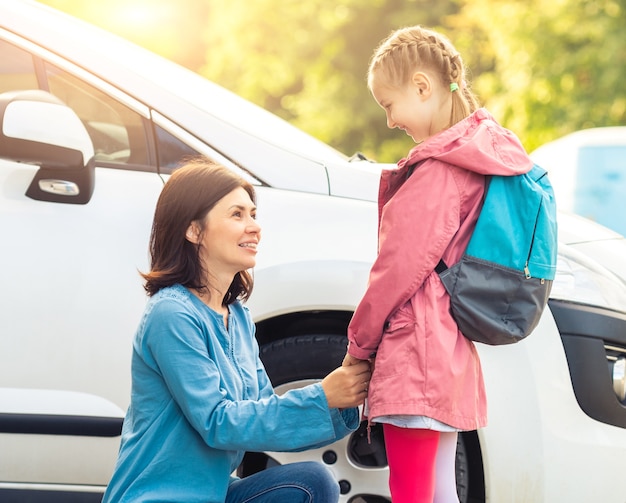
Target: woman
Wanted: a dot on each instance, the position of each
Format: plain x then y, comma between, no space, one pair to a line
200,395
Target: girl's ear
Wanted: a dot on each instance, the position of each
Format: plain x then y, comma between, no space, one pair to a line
422,83
193,233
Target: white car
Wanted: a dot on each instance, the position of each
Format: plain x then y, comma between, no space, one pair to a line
588,171
91,126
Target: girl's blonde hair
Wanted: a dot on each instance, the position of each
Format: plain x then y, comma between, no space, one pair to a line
415,48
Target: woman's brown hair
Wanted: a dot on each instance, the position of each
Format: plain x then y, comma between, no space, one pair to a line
190,193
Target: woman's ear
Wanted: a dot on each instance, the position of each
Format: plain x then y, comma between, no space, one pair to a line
422,83
193,233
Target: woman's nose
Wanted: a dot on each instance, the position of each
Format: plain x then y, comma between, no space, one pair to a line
253,226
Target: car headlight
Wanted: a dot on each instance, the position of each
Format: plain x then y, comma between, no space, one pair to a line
582,280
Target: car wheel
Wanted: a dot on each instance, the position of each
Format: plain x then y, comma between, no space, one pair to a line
462,471
359,466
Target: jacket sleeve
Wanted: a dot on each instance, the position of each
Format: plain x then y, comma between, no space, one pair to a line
297,420
416,226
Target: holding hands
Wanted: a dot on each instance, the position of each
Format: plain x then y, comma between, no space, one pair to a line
350,360
347,386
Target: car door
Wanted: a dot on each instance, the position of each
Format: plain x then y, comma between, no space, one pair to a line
66,260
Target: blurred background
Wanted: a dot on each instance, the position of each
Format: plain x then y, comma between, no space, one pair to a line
543,68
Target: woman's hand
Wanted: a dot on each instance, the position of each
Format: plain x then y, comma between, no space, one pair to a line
347,386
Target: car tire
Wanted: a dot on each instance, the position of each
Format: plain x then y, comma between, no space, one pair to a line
462,470
303,357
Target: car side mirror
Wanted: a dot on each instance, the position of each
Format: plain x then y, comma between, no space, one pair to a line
38,128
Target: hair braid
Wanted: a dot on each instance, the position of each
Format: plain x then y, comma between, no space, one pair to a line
415,48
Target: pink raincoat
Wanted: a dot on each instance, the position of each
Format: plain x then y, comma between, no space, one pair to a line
423,365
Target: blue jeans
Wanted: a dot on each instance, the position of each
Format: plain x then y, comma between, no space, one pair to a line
305,482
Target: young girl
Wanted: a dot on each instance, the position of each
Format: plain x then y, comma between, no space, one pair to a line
200,395
427,382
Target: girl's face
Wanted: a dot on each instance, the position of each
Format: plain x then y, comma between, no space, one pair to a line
231,235
418,108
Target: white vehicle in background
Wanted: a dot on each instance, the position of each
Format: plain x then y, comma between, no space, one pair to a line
91,126
588,171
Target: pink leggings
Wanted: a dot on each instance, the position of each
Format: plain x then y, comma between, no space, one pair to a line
421,465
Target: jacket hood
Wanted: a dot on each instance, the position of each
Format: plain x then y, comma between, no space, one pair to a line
477,143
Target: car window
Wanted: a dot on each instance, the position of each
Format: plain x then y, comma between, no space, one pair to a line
117,132
120,135
17,70
601,185
170,150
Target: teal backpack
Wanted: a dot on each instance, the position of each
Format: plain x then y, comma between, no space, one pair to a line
501,285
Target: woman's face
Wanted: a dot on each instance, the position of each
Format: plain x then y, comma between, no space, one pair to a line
231,235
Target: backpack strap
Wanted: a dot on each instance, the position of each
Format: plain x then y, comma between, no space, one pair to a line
440,267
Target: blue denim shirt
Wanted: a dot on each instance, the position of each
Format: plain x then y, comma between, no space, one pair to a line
200,397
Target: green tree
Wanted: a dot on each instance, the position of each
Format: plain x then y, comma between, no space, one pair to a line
307,62
548,68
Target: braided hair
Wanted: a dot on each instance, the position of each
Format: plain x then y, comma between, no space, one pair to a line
408,50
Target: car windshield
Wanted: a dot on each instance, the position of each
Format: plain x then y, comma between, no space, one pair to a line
245,115
600,192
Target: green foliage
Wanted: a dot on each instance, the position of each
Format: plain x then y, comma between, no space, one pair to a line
542,68
549,68
307,62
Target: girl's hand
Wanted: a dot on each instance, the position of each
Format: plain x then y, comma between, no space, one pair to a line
350,360
347,385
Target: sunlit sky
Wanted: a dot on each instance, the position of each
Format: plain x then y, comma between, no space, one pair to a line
155,24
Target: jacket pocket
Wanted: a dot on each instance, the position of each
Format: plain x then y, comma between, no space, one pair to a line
397,345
